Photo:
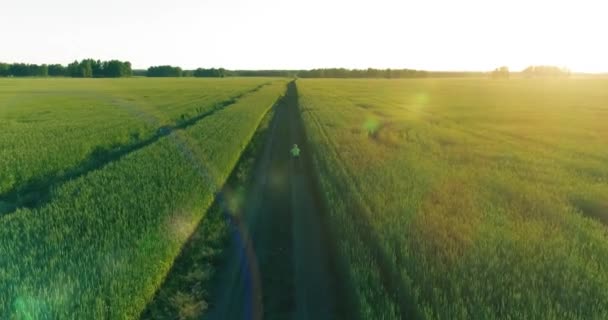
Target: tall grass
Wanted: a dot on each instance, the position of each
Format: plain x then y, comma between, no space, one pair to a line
484,199
103,244
52,125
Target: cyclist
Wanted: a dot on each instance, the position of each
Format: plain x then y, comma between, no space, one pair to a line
295,151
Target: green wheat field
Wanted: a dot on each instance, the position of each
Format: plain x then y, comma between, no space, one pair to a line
446,198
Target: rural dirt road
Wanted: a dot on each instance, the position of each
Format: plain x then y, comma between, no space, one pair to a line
279,265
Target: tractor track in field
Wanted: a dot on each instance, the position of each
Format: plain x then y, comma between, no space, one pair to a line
37,192
281,263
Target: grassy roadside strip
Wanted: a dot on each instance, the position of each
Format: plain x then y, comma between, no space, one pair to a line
102,246
186,291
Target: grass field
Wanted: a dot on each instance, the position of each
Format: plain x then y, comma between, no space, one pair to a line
467,198
187,291
432,198
50,127
101,244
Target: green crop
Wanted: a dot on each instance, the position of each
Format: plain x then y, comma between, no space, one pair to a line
50,126
466,198
103,243
449,198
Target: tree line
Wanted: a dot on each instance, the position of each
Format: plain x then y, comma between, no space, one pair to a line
90,68
546,71
362,73
500,73
87,68
532,72
165,71
171,71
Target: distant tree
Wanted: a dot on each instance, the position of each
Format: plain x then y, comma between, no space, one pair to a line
42,71
97,70
164,71
546,71
116,69
126,69
73,69
373,73
364,73
56,70
26,70
86,68
201,73
257,73
19,70
209,73
5,70
388,73
82,69
111,69
500,73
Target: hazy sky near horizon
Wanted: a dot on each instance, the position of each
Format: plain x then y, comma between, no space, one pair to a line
302,34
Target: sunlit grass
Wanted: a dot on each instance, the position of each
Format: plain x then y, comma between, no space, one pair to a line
102,245
488,196
51,125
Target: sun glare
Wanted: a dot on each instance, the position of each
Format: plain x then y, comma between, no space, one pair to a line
272,34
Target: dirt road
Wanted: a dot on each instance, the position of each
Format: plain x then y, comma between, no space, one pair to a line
279,265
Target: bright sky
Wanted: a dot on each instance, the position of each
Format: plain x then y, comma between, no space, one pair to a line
290,34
